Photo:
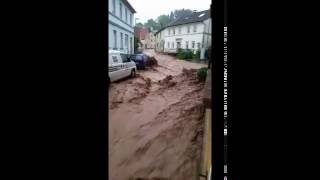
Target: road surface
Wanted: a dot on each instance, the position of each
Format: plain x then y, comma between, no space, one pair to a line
156,122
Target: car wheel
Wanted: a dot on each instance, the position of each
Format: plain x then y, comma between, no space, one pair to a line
133,73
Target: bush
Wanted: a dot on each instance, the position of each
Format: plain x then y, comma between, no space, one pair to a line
184,54
196,55
189,54
181,55
202,74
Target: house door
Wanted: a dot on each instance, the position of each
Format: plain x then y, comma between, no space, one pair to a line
178,45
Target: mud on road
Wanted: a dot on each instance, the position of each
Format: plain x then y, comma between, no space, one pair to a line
156,125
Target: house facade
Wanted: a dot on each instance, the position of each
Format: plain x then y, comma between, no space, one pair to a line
150,40
121,26
159,41
189,32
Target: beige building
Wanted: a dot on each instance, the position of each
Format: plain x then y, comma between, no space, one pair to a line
150,40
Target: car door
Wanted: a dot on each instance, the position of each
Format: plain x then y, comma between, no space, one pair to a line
145,59
122,70
126,64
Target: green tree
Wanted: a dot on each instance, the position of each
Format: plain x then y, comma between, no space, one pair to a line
182,12
136,43
171,17
152,24
163,20
139,25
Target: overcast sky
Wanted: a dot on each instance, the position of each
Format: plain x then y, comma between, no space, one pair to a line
147,9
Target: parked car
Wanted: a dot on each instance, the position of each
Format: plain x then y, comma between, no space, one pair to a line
120,66
141,60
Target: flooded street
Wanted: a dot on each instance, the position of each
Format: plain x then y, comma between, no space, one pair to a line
156,122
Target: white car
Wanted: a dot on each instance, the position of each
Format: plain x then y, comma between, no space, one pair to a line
120,66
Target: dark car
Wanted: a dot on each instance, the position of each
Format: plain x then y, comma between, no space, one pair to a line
141,60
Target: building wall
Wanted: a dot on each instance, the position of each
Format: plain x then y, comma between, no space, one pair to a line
185,36
120,25
150,41
126,49
159,42
208,32
184,29
117,12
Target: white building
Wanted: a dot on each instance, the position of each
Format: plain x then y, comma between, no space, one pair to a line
189,32
121,31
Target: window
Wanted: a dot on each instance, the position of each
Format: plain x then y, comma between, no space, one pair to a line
168,45
172,44
179,30
188,29
114,39
126,15
131,47
115,59
126,39
193,44
195,28
169,32
120,10
124,57
198,44
187,44
174,31
114,6
121,40
130,16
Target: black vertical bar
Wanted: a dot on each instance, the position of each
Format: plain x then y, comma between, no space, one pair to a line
217,15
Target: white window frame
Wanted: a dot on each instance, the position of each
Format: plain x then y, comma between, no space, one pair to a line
115,39
120,7
121,40
114,6
126,40
126,13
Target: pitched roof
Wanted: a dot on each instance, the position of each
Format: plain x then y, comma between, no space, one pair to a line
192,18
129,6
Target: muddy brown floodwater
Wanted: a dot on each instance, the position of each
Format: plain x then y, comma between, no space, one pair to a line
156,122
